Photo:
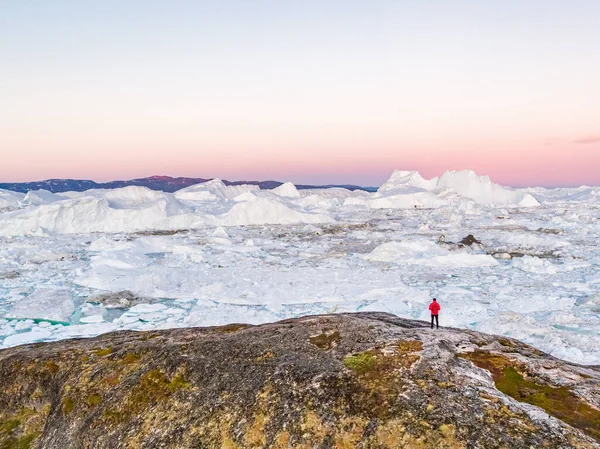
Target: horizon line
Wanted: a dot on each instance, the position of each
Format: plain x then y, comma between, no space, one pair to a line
206,179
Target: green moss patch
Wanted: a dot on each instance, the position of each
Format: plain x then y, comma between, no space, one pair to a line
178,383
93,400
410,345
9,425
68,405
103,352
17,431
326,340
130,357
22,442
559,402
52,367
154,387
394,357
360,363
379,377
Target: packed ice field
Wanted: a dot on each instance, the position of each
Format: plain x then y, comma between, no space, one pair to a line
79,264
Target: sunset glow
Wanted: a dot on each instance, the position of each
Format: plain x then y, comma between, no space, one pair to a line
311,91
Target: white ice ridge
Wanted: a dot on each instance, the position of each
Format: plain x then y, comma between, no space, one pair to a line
214,189
131,209
213,203
465,183
10,200
39,197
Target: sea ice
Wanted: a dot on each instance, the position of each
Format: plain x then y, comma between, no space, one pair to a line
147,308
92,319
212,254
429,254
27,337
46,304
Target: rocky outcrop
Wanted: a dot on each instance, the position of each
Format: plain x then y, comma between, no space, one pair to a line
120,300
366,380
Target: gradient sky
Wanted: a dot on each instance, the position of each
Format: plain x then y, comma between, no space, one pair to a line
318,91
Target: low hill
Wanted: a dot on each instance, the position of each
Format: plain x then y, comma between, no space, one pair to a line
162,183
367,380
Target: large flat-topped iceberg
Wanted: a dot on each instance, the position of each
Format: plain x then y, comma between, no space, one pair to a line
425,252
44,304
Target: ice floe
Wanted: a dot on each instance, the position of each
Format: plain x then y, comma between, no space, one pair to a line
79,264
44,304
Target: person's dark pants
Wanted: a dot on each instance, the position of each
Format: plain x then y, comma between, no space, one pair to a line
437,323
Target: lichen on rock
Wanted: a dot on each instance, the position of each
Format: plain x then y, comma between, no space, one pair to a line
367,380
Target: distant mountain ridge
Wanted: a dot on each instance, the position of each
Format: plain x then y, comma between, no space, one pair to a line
162,183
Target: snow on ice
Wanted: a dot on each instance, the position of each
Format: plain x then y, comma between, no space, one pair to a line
213,254
44,304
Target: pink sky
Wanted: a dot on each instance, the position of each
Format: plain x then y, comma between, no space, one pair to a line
550,164
310,92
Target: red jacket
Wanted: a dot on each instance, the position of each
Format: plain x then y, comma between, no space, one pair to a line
434,307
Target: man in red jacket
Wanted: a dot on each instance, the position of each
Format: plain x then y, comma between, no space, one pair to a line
435,309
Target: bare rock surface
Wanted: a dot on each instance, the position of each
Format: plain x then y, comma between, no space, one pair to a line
368,380
9,275
120,300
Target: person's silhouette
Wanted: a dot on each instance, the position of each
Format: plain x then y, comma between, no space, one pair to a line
434,307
